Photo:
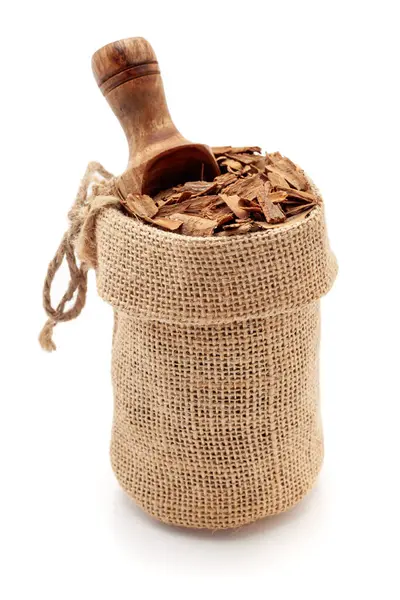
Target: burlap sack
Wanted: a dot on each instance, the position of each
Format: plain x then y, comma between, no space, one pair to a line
215,357
215,367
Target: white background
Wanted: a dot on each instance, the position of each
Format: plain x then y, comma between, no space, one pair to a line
317,81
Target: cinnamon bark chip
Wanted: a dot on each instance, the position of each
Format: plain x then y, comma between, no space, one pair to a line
192,225
224,150
258,164
199,188
240,223
273,157
141,205
179,197
163,196
201,204
221,214
169,224
272,212
233,202
288,170
295,210
193,204
225,179
276,179
171,195
251,207
277,197
298,218
232,165
238,228
245,159
246,188
290,192
144,208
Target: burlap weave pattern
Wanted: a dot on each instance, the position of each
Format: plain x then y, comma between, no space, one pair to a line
215,367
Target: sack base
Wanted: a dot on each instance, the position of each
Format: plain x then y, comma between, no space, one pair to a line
227,517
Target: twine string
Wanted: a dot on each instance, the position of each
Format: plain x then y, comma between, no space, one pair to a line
77,241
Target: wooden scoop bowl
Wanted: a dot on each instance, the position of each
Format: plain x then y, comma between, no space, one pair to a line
160,157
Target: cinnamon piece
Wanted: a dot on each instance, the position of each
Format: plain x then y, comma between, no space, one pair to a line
225,179
272,212
192,225
236,229
299,194
232,165
224,150
141,205
246,188
199,188
233,203
278,197
169,224
245,159
286,169
276,179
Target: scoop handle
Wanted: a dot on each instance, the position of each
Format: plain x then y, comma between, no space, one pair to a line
160,157
128,74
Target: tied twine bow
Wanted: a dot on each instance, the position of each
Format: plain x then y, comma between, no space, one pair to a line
78,241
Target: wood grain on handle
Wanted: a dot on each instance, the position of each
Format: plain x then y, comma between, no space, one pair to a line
128,74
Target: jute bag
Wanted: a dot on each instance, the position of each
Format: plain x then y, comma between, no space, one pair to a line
214,362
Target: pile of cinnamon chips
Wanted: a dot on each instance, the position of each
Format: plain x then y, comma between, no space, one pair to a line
253,192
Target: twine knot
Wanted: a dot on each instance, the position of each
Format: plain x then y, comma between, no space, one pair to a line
96,192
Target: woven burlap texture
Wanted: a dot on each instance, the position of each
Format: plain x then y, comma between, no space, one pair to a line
215,367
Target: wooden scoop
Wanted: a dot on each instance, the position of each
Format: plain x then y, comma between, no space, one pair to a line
160,157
